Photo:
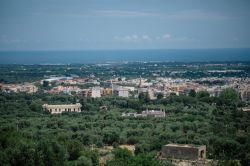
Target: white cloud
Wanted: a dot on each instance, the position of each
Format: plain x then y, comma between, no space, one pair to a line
123,13
146,38
166,36
196,14
133,38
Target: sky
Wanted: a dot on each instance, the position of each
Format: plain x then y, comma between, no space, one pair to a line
123,24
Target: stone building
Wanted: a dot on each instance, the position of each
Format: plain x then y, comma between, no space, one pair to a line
246,109
57,109
147,113
184,151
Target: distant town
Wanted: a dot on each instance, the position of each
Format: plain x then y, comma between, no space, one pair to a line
154,85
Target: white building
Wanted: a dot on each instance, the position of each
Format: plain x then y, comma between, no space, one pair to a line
96,92
58,109
123,92
151,94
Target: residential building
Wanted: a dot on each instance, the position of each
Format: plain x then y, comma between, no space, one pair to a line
245,95
123,92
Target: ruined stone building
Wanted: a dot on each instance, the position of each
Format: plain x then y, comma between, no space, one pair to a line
154,113
57,109
184,151
147,113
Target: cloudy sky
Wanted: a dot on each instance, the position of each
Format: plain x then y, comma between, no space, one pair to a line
123,24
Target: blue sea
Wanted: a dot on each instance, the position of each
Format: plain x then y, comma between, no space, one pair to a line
104,56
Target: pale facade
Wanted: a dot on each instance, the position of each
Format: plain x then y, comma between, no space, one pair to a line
151,94
96,92
122,92
57,109
245,94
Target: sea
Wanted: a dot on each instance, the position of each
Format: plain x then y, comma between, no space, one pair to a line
118,56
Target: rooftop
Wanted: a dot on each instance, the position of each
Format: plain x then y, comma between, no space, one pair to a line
185,145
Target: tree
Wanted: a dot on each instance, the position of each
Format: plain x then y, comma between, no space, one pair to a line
84,161
109,137
192,93
52,152
74,147
160,96
230,95
144,97
202,94
122,157
45,84
145,160
92,155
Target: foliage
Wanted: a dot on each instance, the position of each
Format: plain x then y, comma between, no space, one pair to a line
123,157
30,136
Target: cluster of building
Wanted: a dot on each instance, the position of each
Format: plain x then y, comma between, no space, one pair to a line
123,87
70,85
168,86
73,80
26,87
94,92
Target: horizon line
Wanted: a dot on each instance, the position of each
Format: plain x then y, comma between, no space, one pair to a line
127,49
